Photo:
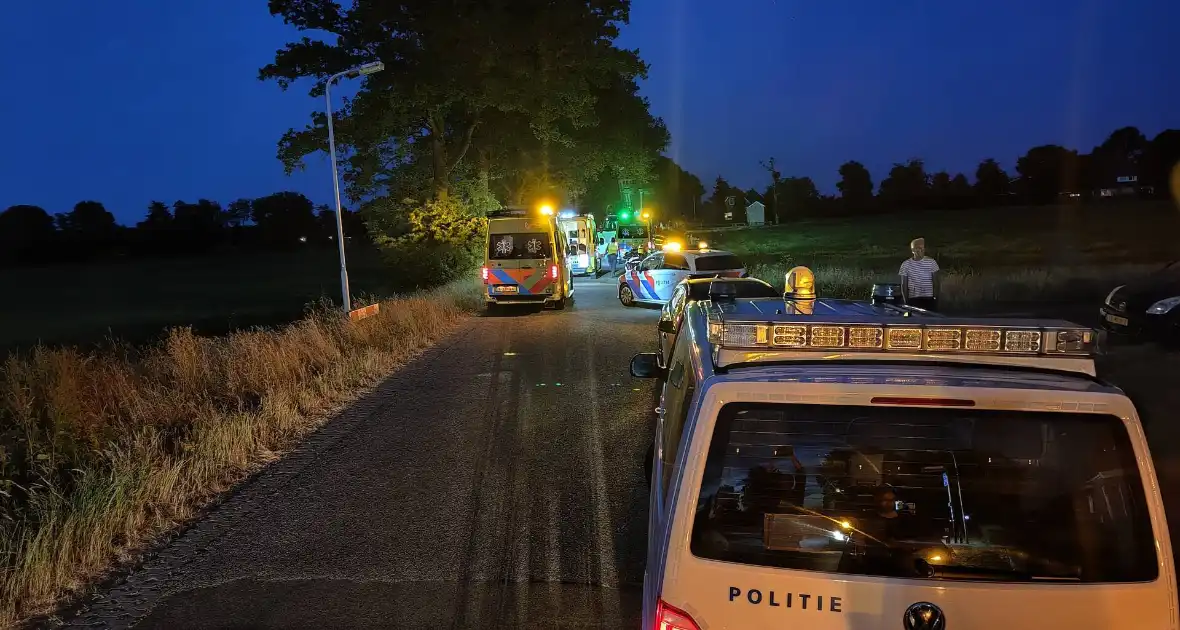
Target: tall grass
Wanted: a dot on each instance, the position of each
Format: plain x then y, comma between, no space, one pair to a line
101,451
972,289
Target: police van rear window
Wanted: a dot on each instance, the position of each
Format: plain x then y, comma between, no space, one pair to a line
719,262
519,245
938,493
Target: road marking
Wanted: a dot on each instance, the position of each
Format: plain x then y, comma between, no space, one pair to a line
607,571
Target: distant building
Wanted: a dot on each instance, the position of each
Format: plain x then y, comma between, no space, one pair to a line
756,213
1125,182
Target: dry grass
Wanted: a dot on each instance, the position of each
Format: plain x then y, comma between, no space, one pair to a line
967,289
100,452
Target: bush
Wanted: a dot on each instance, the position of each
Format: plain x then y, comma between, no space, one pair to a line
428,244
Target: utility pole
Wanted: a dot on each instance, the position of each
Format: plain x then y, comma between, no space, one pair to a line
774,179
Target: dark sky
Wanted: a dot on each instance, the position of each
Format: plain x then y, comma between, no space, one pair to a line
126,101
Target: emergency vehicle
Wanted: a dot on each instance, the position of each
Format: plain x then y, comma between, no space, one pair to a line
526,260
581,235
659,273
821,464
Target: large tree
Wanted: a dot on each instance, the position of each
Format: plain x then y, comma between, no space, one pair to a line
451,68
284,218
88,222
855,185
991,182
907,186
1045,171
26,233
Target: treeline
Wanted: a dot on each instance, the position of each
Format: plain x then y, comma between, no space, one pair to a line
1126,165
29,235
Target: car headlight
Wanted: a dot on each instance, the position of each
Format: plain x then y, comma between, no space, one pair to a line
1110,296
1163,306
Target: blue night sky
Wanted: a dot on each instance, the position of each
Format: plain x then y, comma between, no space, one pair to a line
127,101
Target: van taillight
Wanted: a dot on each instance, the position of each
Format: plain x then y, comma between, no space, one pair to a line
484,272
669,618
553,271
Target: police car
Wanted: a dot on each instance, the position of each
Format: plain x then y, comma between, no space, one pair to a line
693,290
659,273
822,466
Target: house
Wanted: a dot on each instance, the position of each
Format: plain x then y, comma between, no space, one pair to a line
756,213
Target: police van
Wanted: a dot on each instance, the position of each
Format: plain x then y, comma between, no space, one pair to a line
821,464
526,260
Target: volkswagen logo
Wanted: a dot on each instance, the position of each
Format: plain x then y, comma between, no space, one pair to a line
923,616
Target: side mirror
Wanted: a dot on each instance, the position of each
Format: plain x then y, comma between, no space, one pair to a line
646,365
667,326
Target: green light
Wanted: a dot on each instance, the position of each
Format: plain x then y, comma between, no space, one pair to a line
624,215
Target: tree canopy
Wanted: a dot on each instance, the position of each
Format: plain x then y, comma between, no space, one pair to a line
497,101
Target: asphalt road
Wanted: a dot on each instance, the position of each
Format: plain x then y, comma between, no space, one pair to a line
496,481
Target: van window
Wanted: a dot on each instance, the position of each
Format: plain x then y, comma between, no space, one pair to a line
679,390
718,262
519,245
925,493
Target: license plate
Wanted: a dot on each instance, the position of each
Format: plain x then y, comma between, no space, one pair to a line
507,288
1115,319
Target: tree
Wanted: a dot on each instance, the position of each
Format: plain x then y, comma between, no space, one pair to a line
450,66
907,186
855,185
960,191
772,198
797,196
676,191
991,182
88,221
158,219
238,213
284,218
26,234
716,206
1120,154
1046,171
1160,163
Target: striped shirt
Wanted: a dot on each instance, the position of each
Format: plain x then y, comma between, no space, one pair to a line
920,276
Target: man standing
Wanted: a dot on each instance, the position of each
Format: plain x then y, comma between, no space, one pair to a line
612,253
919,277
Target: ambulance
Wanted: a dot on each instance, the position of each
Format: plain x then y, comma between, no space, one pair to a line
839,465
526,260
581,237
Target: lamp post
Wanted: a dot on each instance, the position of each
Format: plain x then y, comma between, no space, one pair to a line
362,70
650,236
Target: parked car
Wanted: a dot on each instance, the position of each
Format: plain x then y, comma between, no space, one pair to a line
659,273
1147,309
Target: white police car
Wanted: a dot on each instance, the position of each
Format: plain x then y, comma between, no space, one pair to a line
692,290
819,467
659,273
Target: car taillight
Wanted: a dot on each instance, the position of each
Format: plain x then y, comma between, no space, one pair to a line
553,271
484,272
670,618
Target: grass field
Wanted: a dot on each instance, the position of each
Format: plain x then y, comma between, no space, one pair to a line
1019,237
988,256
137,300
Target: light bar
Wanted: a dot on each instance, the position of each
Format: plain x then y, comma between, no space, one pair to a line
907,338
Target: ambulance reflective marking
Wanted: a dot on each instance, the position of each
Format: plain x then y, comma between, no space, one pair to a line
530,281
802,601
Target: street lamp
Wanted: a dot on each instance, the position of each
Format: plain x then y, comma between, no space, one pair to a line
650,237
362,70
